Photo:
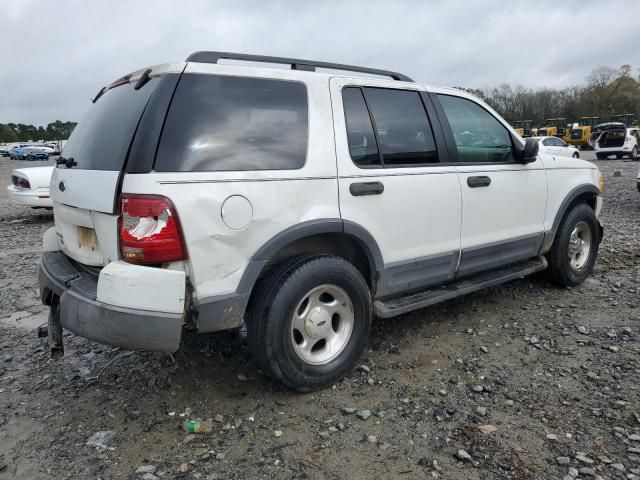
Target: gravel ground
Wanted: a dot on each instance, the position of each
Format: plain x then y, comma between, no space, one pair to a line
524,380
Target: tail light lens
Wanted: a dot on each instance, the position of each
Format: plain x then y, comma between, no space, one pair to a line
20,182
150,230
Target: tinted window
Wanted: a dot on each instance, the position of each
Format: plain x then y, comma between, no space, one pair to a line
362,141
479,136
220,122
547,142
102,139
403,129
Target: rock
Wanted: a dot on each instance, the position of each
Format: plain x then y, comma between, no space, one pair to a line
634,437
463,456
146,469
442,392
220,456
324,434
148,476
552,436
364,414
372,439
508,403
487,429
534,340
8,358
586,471
482,411
277,433
563,460
364,368
614,348
617,466
583,458
101,439
348,410
484,349
583,330
617,173
183,469
573,472
477,388
242,377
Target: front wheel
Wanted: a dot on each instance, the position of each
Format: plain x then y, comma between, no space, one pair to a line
573,254
309,321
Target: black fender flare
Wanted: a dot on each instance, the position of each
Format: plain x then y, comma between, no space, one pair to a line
307,229
564,206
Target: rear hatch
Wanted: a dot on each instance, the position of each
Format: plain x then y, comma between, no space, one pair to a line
85,185
612,139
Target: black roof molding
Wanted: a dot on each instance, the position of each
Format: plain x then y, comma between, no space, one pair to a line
296,63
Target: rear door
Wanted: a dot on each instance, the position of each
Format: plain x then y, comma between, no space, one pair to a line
503,202
394,181
85,188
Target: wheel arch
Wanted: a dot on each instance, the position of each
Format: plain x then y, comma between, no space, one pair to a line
338,237
586,193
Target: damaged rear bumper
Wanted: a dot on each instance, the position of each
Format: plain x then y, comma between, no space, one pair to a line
82,312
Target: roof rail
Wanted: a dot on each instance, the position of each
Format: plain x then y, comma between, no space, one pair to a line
296,64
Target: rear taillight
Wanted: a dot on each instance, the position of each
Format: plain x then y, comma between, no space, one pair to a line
150,230
20,182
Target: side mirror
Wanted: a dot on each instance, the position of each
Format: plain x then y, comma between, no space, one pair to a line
529,152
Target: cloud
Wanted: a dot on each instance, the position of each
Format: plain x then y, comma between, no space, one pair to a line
56,55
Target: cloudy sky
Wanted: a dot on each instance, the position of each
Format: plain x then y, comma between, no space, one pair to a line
56,54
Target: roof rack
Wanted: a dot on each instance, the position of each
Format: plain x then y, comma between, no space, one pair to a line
296,64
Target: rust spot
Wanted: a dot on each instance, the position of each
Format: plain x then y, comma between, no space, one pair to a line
87,238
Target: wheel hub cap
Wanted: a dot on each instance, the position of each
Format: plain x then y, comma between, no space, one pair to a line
579,246
322,324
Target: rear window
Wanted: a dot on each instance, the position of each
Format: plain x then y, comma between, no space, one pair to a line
102,139
227,123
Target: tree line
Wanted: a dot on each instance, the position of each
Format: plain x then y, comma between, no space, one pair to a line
19,132
607,92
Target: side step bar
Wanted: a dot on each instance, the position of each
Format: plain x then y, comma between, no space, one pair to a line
415,301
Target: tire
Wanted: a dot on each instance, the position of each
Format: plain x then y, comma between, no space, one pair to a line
601,156
618,156
284,299
571,272
634,153
576,155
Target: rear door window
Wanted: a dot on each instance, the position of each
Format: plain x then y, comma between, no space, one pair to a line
229,123
102,138
360,136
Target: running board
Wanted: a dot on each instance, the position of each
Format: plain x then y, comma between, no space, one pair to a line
415,301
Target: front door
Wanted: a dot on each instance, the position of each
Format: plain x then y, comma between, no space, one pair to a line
503,202
390,150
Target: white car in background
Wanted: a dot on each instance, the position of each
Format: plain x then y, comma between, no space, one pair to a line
558,147
30,187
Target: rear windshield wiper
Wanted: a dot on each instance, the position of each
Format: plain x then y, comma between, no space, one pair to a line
100,93
67,162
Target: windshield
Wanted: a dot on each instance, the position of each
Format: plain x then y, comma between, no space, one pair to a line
102,139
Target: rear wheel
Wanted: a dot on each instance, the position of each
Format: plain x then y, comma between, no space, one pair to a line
309,321
618,156
600,156
634,153
575,247
576,155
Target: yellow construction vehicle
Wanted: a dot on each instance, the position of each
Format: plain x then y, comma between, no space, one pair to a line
579,134
523,127
553,127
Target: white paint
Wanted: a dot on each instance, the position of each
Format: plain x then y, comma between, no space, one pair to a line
145,288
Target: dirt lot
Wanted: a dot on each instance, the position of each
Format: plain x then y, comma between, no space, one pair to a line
531,381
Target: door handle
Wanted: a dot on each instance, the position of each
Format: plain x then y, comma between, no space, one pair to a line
366,188
475,182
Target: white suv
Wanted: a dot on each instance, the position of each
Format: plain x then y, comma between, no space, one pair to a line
197,195
617,139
